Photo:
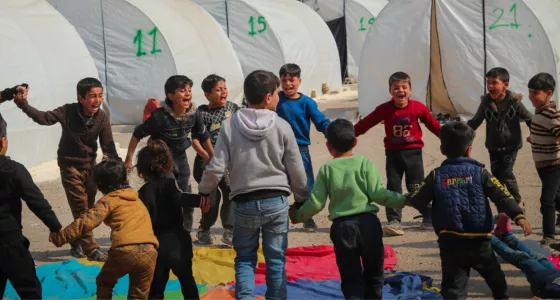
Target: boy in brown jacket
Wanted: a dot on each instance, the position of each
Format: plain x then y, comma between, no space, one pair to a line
133,243
82,124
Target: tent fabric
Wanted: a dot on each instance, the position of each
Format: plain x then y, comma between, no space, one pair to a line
473,37
338,30
41,48
261,39
138,44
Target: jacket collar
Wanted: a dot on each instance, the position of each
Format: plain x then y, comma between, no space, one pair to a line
461,161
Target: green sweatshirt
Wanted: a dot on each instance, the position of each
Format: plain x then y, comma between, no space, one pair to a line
352,184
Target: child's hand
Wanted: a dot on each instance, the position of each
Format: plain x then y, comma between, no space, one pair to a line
523,223
128,164
57,239
205,204
21,94
292,213
529,139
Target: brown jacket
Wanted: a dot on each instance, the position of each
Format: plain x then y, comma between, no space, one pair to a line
121,210
78,143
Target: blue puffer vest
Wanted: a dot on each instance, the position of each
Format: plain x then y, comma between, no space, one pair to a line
460,206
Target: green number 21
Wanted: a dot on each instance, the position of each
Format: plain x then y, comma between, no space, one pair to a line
261,21
370,21
512,25
138,41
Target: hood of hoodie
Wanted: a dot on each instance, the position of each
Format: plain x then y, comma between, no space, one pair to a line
254,123
127,194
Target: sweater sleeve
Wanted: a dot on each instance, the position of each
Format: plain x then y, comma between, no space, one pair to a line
216,169
426,117
35,200
377,192
422,197
199,130
44,117
145,129
374,118
88,221
294,166
317,117
318,198
106,140
524,114
503,200
478,117
182,199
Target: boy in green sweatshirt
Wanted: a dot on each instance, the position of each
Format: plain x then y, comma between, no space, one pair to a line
353,185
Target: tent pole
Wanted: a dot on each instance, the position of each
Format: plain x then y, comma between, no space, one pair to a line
227,18
106,89
484,41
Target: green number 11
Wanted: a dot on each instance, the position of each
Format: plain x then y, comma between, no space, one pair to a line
138,41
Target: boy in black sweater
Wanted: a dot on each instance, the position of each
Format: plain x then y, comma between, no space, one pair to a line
16,263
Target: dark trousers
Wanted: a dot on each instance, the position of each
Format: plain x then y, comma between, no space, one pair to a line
406,162
222,192
16,264
550,197
501,165
355,238
182,173
458,256
174,253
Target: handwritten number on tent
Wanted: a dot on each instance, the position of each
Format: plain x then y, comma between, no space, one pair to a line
138,38
260,21
370,21
496,23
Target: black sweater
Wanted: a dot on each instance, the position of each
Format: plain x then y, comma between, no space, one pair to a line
16,184
165,200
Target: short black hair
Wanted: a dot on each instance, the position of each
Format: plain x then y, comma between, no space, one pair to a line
455,138
290,69
110,175
86,84
258,84
398,76
340,135
500,73
3,127
542,81
210,82
177,82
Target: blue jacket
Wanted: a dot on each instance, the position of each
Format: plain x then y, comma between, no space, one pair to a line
459,189
299,113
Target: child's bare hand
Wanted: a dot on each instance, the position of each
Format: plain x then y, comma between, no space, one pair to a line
529,139
57,239
524,224
205,204
292,214
128,165
21,94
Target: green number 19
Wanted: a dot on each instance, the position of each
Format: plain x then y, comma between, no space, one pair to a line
370,21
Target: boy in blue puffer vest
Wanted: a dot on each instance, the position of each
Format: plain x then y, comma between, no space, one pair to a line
461,214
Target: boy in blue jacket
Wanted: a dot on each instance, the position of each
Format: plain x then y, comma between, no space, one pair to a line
299,111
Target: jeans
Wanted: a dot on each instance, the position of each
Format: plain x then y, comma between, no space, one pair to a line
501,165
182,173
358,242
550,197
250,218
518,254
308,166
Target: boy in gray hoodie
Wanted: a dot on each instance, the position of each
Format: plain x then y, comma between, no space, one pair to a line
260,150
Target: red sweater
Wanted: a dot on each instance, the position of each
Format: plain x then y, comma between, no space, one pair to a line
402,130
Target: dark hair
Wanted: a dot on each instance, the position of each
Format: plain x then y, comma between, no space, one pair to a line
340,135
3,127
399,76
290,69
542,81
455,138
154,160
176,82
86,84
258,84
500,73
210,82
110,175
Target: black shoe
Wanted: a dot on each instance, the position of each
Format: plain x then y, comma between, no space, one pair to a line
77,252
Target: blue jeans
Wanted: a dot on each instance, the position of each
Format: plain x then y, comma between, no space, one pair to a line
518,254
250,218
308,166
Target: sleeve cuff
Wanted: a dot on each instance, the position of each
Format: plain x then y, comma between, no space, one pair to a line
519,217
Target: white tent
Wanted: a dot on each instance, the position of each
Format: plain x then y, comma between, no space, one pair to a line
138,44
447,48
267,34
41,48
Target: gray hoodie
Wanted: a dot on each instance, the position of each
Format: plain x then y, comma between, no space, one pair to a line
261,153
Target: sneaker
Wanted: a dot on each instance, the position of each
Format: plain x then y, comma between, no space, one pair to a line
547,241
227,237
393,228
205,237
310,226
426,226
77,252
97,255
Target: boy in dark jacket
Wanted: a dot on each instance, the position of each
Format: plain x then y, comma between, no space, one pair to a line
82,124
503,111
16,263
461,214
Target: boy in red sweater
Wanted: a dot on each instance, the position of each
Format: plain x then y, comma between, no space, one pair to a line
403,143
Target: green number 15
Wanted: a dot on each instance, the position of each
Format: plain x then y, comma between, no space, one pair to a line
260,21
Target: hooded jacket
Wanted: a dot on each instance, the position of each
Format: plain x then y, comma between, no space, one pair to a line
260,150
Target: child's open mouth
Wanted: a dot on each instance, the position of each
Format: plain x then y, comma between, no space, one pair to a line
186,101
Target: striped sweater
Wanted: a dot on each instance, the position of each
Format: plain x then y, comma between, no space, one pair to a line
545,136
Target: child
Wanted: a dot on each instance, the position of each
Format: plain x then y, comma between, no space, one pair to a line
545,143
502,110
462,217
172,123
403,143
298,110
16,263
82,124
164,201
213,114
260,151
541,273
133,244
353,185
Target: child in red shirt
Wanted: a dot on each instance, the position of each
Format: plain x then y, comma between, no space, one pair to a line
403,143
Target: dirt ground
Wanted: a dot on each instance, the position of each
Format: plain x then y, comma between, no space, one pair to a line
417,250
